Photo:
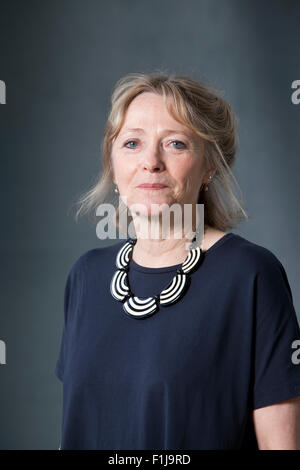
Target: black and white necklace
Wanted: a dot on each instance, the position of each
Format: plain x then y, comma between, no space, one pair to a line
144,307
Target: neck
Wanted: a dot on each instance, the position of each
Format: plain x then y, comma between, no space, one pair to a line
156,253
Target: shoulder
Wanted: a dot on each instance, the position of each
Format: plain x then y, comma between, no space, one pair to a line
252,256
96,258
258,266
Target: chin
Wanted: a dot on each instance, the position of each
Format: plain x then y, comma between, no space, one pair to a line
149,208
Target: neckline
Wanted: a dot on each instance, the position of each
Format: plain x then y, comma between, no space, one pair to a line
145,269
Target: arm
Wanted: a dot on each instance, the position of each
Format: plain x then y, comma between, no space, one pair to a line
277,427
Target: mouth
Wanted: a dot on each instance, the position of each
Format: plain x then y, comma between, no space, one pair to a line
155,186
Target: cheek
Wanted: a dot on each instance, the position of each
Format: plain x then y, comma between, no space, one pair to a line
186,169
123,171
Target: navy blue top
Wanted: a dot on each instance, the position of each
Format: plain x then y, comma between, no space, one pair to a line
189,376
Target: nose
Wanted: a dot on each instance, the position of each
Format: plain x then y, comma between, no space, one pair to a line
152,159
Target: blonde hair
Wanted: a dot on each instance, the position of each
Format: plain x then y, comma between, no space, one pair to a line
201,109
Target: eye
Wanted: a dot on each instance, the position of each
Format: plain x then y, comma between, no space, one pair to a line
178,142
130,142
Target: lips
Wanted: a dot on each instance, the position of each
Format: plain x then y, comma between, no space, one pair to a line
152,186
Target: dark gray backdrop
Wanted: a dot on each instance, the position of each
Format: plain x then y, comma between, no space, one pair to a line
60,61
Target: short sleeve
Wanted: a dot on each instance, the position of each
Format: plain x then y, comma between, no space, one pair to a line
276,374
72,298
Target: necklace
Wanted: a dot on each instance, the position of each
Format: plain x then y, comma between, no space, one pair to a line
144,307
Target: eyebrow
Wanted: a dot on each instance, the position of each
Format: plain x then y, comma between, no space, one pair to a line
169,131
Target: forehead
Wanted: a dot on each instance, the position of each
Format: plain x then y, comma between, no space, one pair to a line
149,109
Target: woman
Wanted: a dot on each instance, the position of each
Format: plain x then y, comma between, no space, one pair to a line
155,355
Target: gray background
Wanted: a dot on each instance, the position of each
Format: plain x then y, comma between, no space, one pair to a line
60,61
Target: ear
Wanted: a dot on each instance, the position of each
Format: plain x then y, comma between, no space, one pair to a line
113,176
211,172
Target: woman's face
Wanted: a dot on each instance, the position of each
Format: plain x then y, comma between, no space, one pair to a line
152,147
